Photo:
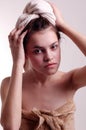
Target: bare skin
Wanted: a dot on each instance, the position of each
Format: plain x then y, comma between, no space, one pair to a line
44,86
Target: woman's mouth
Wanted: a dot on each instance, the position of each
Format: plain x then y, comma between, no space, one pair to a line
50,65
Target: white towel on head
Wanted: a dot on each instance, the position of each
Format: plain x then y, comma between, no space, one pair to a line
32,11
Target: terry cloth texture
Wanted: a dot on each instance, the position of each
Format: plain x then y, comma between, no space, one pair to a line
33,10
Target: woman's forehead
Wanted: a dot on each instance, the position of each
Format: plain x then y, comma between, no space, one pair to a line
46,36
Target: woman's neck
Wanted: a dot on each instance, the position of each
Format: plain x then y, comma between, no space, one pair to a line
41,78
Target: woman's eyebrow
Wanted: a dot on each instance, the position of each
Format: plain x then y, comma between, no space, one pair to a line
36,46
54,43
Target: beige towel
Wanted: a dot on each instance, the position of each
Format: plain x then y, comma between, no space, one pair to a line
32,11
59,119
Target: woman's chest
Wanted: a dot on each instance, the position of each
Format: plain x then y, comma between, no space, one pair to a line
43,98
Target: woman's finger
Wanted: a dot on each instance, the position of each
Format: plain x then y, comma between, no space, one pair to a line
17,33
15,36
11,35
21,37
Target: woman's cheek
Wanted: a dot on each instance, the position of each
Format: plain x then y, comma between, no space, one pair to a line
58,55
36,60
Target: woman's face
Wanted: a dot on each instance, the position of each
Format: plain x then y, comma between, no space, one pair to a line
43,51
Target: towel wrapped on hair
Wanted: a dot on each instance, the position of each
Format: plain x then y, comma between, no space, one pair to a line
33,10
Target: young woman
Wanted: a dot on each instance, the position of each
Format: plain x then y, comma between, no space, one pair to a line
41,98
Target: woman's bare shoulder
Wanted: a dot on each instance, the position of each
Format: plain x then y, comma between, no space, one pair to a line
4,87
5,82
65,74
61,74
65,77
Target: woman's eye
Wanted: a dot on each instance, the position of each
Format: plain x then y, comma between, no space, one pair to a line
38,51
54,47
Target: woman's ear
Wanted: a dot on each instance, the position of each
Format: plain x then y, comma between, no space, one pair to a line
26,55
26,64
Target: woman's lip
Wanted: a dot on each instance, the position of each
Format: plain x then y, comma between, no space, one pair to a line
50,65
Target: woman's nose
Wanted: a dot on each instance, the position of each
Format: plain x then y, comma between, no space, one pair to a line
48,56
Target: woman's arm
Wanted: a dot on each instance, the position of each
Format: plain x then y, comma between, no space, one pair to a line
12,99
76,37
78,75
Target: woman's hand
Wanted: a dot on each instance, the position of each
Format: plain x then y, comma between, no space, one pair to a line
59,18
16,45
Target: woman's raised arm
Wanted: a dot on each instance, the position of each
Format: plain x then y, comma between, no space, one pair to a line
79,74
11,88
75,36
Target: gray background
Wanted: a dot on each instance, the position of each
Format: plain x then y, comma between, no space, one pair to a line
74,14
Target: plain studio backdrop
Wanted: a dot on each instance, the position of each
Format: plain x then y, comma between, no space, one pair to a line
74,14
